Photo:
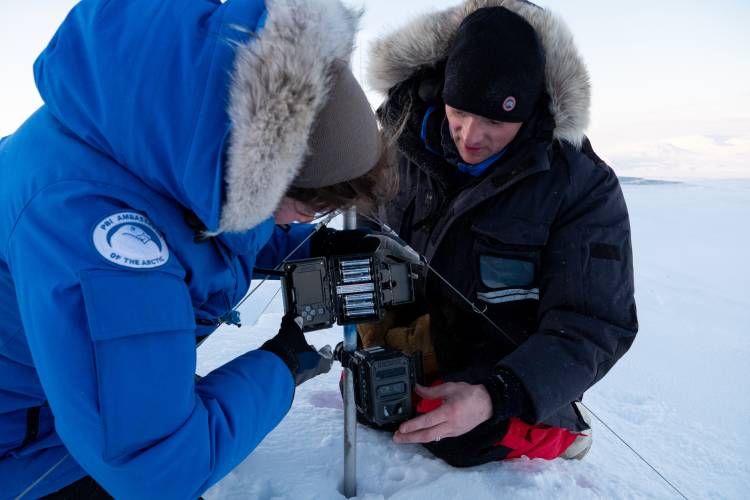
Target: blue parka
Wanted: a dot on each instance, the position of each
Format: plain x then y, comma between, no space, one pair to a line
161,120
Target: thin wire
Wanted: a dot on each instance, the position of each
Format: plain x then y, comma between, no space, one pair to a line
270,301
474,307
317,227
41,478
634,451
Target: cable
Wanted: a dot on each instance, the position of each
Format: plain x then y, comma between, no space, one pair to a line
317,228
41,478
634,451
474,307
270,301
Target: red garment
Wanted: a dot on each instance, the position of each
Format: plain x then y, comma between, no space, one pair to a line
535,441
532,441
427,405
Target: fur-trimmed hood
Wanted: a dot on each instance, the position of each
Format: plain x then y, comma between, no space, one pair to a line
280,82
425,42
208,103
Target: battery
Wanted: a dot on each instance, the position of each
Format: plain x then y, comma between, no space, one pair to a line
358,313
359,303
359,278
354,263
357,288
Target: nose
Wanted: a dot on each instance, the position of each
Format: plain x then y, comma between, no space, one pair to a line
472,132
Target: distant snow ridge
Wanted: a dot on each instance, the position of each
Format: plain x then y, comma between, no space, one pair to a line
645,182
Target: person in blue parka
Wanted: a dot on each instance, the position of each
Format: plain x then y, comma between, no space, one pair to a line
134,205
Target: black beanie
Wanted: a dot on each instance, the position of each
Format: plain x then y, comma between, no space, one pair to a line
495,67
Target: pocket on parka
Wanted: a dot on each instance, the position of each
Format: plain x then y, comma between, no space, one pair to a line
507,255
142,330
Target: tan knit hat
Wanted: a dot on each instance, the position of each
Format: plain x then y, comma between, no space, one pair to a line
344,142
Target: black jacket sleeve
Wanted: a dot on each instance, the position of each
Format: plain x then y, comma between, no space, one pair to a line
587,315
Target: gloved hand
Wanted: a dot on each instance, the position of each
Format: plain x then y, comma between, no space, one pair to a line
395,248
313,363
328,241
509,398
302,359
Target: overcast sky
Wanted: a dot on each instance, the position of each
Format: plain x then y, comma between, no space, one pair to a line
671,79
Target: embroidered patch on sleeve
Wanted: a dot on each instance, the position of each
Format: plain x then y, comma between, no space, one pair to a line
129,239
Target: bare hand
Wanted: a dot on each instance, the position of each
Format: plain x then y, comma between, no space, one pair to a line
464,407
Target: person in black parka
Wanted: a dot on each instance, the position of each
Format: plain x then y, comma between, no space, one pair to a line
502,193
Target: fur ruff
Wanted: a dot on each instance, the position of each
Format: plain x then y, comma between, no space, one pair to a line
280,82
425,42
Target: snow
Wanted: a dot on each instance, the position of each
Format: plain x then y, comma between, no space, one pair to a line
679,397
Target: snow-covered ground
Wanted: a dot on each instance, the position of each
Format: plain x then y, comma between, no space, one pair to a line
679,397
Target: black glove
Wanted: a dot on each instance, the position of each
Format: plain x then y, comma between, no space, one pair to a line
476,447
302,359
327,242
509,398
395,248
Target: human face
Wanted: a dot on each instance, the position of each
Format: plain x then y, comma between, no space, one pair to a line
476,137
291,210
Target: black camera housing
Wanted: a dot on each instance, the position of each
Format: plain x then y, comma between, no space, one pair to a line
345,289
384,381
351,289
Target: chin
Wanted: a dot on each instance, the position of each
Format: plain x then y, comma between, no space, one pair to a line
473,159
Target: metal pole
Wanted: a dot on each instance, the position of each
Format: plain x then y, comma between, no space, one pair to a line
350,410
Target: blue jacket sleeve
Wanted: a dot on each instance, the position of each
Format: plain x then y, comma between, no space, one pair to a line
115,353
284,240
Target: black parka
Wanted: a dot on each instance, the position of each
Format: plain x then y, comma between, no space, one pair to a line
540,242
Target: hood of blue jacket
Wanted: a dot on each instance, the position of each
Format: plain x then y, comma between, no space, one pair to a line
192,97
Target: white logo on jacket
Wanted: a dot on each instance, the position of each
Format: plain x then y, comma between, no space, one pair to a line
129,239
